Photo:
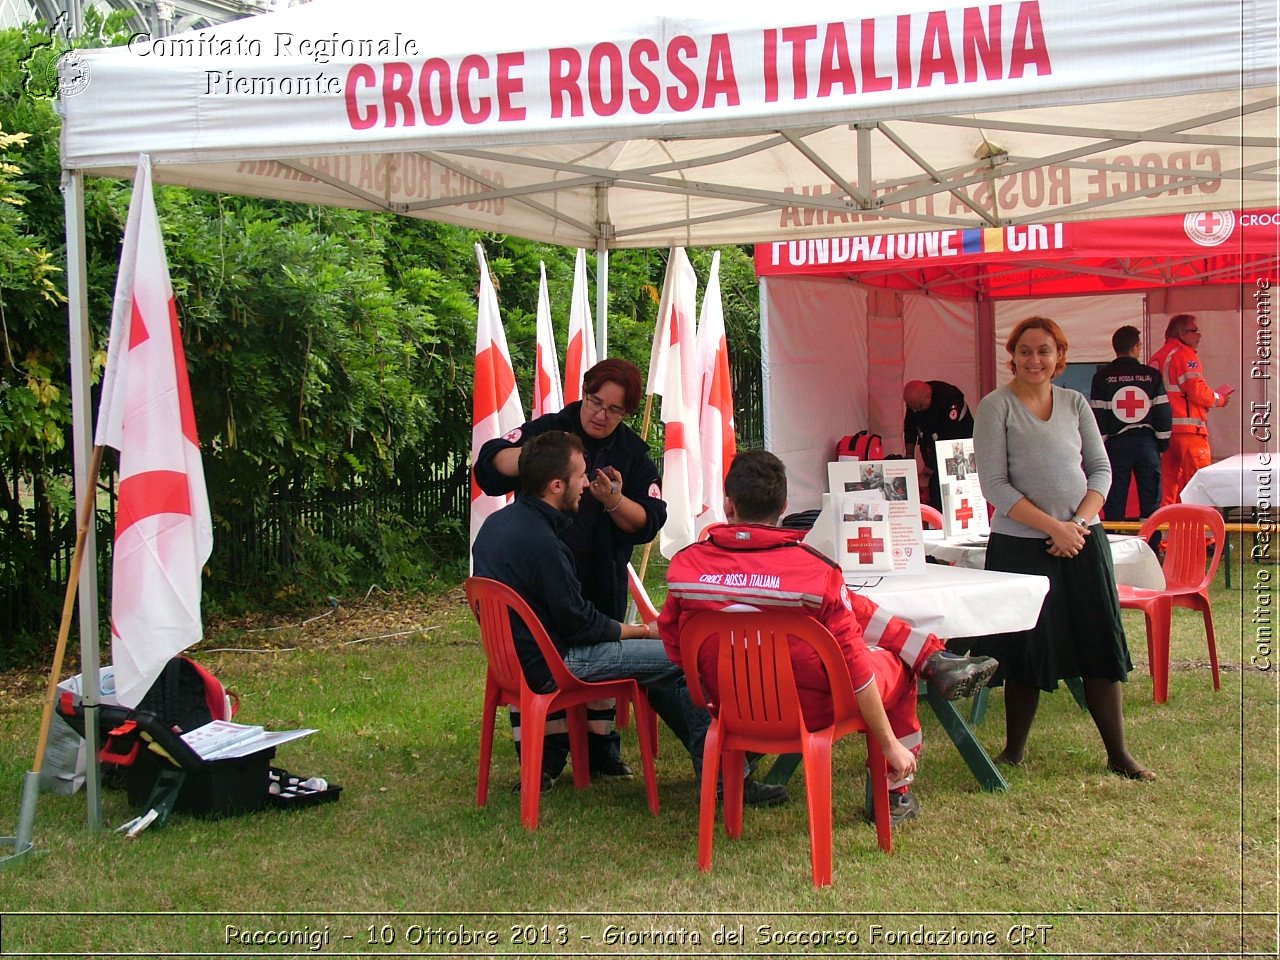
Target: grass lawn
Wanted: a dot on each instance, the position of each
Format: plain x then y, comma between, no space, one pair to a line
1069,861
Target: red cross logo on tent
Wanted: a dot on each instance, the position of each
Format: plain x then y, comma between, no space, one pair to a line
1130,405
964,514
1209,228
1209,222
864,545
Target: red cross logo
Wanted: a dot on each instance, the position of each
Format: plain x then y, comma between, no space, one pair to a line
1209,222
964,514
864,545
1130,404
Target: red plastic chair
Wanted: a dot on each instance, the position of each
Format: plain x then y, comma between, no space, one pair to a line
1187,581
493,604
648,613
931,517
759,710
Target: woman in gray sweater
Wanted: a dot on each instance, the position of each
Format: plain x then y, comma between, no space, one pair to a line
1042,464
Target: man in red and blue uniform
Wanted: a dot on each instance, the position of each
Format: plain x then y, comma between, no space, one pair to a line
752,561
1132,410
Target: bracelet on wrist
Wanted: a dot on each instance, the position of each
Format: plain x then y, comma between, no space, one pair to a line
616,504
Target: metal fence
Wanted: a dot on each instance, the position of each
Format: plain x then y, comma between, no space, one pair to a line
429,497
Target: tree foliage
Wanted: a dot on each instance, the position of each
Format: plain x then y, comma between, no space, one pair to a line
330,353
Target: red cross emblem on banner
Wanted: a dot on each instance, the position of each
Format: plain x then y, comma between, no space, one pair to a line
1210,222
864,545
964,514
1130,404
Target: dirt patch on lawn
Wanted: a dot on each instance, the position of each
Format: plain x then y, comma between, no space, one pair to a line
379,616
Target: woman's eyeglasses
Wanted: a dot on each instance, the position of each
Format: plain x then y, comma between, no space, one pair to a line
595,405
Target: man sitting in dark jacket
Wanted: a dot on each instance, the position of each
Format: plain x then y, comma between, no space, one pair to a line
521,547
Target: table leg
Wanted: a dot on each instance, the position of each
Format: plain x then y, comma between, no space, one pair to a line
975,755
979,761
782,768
1076,686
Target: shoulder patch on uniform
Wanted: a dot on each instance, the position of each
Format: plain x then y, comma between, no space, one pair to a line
655,491
515,435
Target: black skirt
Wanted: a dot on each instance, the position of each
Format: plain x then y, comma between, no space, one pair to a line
1079,633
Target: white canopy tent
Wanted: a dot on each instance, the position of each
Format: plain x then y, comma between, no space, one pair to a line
686,124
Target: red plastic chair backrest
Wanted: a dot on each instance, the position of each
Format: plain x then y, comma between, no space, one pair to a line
640,596
1186,548
757,696
494,604
931,517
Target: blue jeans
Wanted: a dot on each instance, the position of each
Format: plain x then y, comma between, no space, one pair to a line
645,661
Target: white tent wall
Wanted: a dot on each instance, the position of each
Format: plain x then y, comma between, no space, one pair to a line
835,357
814,351
940,345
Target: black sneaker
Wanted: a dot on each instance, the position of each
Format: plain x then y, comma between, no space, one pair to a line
955,676
615,768
548,781
902,807
757,794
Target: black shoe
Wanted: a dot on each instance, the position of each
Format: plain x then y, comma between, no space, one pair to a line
757,794
954,676
615,768
548,781
902,807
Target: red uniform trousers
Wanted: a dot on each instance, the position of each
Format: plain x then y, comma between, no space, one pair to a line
898,693
1187,453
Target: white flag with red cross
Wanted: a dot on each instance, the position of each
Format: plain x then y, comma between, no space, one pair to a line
715,398
548,395
164,531
495,404
673,373
580,351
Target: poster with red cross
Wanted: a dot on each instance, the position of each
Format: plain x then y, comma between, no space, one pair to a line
964,509
877,522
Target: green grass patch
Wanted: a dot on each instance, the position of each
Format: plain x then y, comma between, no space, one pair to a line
1070,860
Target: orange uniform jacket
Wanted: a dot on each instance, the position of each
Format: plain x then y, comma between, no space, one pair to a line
1190,395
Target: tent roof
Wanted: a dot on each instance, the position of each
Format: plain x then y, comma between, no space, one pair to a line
653,125
1101,256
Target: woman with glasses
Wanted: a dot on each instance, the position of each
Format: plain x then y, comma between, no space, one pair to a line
625,508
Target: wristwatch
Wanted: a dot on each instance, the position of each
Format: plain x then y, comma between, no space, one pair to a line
1080,522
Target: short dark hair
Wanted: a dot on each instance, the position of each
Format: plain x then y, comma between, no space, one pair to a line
615,370
544,458
1177,323
757,482
1125,339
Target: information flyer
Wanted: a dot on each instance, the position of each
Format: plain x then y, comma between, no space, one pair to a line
877,516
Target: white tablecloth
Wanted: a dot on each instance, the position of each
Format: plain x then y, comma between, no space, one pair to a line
955,602
1239,481
1135,562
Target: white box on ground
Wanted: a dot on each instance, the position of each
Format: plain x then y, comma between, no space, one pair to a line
64,767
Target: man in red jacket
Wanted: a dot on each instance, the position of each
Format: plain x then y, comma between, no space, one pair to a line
1190,398
752,561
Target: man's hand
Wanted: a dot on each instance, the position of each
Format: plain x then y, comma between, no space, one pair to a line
902,762
606,486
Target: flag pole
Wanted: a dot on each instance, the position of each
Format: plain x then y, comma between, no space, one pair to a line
644,435
31,784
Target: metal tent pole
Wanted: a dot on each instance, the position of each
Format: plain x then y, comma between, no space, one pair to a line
86,485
